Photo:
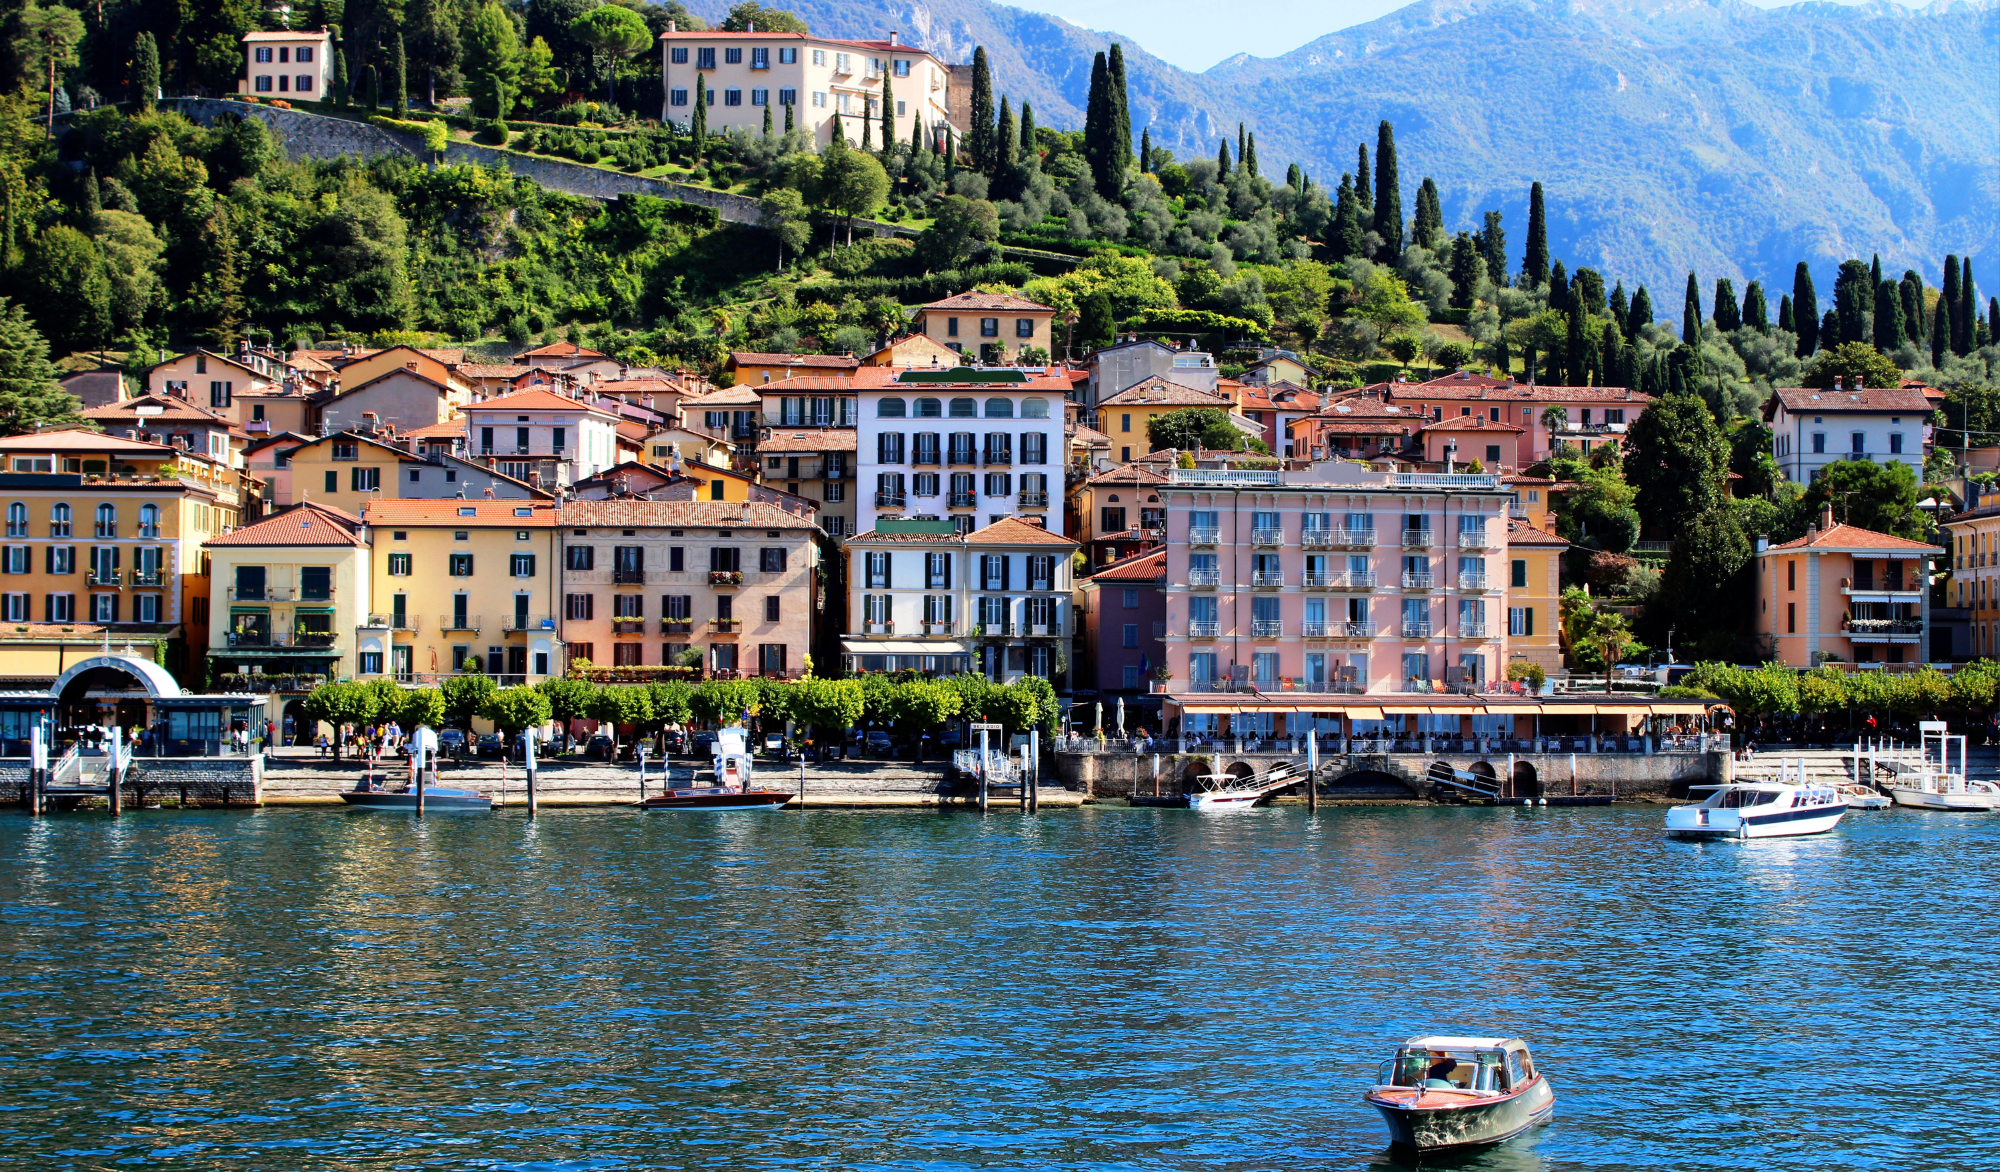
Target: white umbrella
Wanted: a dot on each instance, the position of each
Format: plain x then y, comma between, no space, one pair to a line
1121,716
1098,727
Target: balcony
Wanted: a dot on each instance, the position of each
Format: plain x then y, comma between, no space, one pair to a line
1204,630
1417,581
1002,459
725,626
1266,628
1416,539
1040,584
878,628
528,622
1472,580
628,626
1204,536
946,629
1870,589
1045,630
1473,630
965,457
1883,628
1204,579
458,622
1354,630
628,576
1355,580
148,578
106,578
676,626
962,500
1267,537
927,457
1034,500
391,622
1357,538
1316,539
1267,579
725,577
1319,581
888,500
1420,630
1473,539
1314,630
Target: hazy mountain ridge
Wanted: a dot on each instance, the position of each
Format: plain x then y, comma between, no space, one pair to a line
1669,134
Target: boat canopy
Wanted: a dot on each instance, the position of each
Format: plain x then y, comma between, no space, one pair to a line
1457,1043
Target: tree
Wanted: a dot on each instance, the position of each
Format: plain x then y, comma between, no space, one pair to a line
748,13
1890,332
513,710
1940,333
421,706
145,71
851,183
1701,588
920,705
889,121
1852,362
1535,264
981,128
1786,320
44,41
1966,310
1119,125
1676,458
1756,314
1642,314
1193,427
1691,314
433,27
1493,246
65,280
569,700
437,138
492,59
1853,303
1805,309
1388,195
1364,189
30,396
698,121
1428,228
828,705
1867,495
132,252
538,72
1727,316
783,213
615,32
1097,122
1095,327
962,229
399,78
1007,143
465,696
1468,268
1346,237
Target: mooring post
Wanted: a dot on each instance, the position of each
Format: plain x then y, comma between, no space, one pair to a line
417,779
528,752
38,763
112,772
985,765
1035,776
642,773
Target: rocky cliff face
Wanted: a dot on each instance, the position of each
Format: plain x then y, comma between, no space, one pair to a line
1670,134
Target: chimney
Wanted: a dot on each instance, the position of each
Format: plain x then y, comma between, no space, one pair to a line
892,36
750,27
671,28
1763,542
1826,516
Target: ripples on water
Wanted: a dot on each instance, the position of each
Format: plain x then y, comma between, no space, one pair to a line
1109,988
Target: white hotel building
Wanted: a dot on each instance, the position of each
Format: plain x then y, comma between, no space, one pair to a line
743,74
968,446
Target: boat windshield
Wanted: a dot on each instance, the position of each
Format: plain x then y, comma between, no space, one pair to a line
1449,1070
1736,799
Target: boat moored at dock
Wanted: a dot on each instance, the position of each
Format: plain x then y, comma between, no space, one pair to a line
439,798
731,789
1441,1093
1934,784
1785,808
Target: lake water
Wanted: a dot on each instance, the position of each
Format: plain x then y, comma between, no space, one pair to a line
1099,989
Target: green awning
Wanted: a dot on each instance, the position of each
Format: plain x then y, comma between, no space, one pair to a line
302,608
249,610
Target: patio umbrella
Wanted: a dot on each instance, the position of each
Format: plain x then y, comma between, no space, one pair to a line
1121,716
1098,727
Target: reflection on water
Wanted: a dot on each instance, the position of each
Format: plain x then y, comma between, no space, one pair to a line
1110,988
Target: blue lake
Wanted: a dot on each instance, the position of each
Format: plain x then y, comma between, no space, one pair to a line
1099,989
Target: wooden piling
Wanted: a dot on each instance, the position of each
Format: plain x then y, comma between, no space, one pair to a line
112,778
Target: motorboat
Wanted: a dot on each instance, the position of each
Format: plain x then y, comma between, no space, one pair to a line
1217,792
731,789
1863,797
1933,783
1440,1093
1787,807
440,798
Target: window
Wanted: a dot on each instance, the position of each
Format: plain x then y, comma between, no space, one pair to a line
951,327
760,97
303,82
104,608
725,559
582,557
263,79
1520,620
365,479
1896,443
59,521
1791,575
107,520
522,565
732,56
771,608
819,56
732,97
890,408
1125,422
678,55
771,561
60,608
1791,618
704,58
1132,631
1034,408
843,63
62,559
399,565
788,97
788,56
17,519
889,446
1859,442
18,559
1113,518
1034,448
989,327
580,607
628,606
1819,443
819,96
264,56
760,59
461,565
999,408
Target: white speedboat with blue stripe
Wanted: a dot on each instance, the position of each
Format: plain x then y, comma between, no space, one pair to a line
1784,808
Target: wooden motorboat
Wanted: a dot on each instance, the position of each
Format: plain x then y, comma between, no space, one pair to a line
1440,1093
1785,808
716,797
368,796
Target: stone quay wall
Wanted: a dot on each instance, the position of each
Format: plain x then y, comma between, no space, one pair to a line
1404,776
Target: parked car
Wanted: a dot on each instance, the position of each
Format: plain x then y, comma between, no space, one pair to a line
879,744
953,738
490,745
599,747
703,744
451,742
674,741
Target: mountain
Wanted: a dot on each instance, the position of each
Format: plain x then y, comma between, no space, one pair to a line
1669,135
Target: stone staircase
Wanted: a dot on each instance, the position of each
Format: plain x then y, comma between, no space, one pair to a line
1830,767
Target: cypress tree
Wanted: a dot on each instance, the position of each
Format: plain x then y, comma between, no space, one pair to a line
867,131
1785,319
1962,339
1467,266
1006,140
1096,123
1031,151
1875,270
339,66
1611,355
1912,293
1388,195
1559,288
1642,314
1535,265
791,126
698,121
93,197
1429,225
1805,307
1889,330
1727,316
1756,314
1586,292
1940,333
1829,328
1992,317
1853,302
767,121
888,119
1576,360
399,77
1250,156
980,132
916,131
1145,148
1222,160
1621,306
1691,314
1242,149
371,87
1347,231
1119,126
1295,178
1493,242
1949,299
1364,192
145,70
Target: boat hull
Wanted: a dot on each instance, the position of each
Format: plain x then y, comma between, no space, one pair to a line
458,800
699,800
1922,799
1437,1122
1222,803
1696,822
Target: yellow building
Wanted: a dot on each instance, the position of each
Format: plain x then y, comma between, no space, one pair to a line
1534,593
348,469
108,531
456,580
1117,513
295,586
988,327
1126,416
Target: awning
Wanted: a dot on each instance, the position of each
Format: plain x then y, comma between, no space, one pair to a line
1364,714
1407,711
913,647
1685,708
1623,710
1208,710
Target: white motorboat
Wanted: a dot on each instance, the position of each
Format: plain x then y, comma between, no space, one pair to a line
1934,784
1223,791
1863,797
1785,808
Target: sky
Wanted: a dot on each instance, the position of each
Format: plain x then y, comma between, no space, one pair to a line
1195,34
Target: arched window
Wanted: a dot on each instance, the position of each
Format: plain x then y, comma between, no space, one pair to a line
17,520
149,520
1034,408
999,408
889,409
964,409
929,409
107,520
59,521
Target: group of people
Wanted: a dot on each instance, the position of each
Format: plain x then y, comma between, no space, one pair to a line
364,740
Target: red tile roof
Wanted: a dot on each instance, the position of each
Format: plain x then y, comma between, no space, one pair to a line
1840,537
1149,566
681,514
1800,400
561,350
469,514
1471,423
1160,392
990,301
489,370
87,442
1519,392
535,400
822,361
305,524
1523,534
1134,474
831,439
1014,531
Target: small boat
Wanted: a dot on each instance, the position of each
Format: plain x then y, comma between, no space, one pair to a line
1933,784
715,797
1221,792
369,796
1784,808
1440,1093
1863,797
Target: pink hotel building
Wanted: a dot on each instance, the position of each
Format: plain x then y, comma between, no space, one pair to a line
1335,579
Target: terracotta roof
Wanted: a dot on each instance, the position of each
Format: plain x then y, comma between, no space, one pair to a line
1089,435
450,427
1467,378
742,395
561,350
291,35
821,361
864,377
1852,537
479,514
1519,392
877,537
1800,400
174,410
489,370
291,437
637,386
1471,423
1140,567
1128,474
534,400
1159,392
84,441
1526,480
989,301
305,524
831,439
1323,426
1523,534
1014,531
681,514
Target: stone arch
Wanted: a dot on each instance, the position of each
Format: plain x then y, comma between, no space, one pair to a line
1483,769
1527,784
1367,783
1241,771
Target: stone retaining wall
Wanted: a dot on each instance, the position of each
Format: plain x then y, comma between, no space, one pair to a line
188,781
1634,776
